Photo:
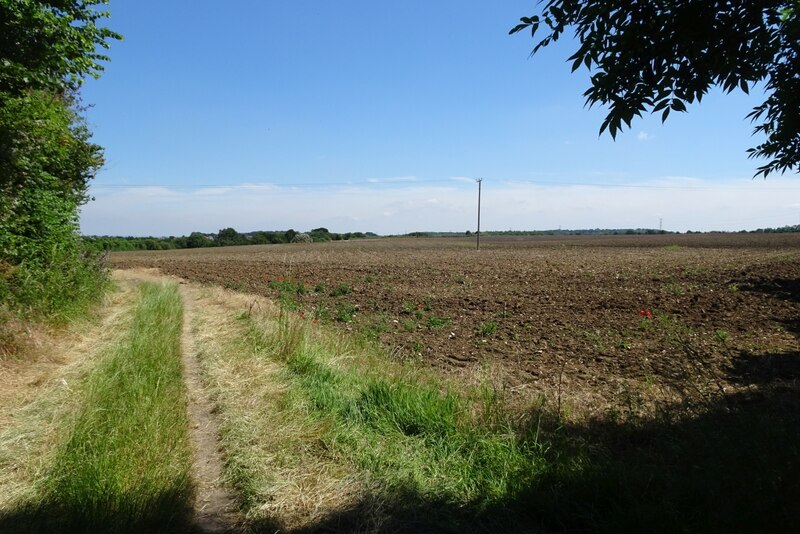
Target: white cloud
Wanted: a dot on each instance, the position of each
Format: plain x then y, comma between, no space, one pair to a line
398,179
684,203
212,191
644,136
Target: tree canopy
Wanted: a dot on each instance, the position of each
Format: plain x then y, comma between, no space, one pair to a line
51,45
660,56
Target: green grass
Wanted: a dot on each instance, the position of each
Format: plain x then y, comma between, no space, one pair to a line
405,430
288,286
487,329
125,462
341,290
58,291
435,322
451,459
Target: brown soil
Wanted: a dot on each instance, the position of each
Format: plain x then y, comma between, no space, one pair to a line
550,315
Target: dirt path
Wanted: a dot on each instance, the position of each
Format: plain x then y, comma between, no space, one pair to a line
215,505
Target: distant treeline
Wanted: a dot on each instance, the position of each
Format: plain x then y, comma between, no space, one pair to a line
223,238
588,231
781,230
601,231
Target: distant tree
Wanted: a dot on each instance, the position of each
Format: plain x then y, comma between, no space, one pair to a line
320,234
660,56
198,240
289,235
229,236
302,238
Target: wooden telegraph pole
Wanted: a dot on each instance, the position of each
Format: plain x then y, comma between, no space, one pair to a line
479,180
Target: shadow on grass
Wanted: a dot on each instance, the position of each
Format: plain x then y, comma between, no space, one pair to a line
166,512
735,467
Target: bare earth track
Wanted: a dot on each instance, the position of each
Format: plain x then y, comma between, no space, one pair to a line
545,314
214,506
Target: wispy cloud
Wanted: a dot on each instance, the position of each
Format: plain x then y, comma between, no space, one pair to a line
644,136
398,179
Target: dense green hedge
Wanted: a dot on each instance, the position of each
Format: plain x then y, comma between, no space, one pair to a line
46,155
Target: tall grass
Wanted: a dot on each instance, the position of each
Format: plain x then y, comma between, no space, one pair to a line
126,462
55,289
414,435
453,459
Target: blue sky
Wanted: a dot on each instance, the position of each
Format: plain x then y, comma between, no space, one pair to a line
375,116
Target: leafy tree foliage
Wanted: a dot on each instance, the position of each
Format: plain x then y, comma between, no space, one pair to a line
46,155
660,56
51,45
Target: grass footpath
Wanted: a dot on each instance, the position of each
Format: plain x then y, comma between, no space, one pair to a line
125,462
325,433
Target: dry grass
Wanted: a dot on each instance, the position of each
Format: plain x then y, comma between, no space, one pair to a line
275,458
38,393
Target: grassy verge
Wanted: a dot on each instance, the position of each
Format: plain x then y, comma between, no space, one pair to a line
441,456
61,291
417,446
125,462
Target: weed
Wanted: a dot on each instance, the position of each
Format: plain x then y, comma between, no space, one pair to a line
288,302
408,325
721,335
435,322
673,248
409,308
378,327
321,312
733,288
427,304
595,337
341,290
369,279
487,329
675,289
345,312
319,288
288,286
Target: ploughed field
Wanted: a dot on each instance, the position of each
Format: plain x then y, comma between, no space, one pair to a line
600,324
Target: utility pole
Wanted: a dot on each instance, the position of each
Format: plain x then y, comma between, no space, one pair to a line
479,180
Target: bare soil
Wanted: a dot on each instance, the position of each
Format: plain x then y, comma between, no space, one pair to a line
605,321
